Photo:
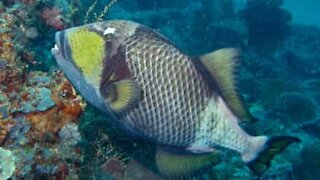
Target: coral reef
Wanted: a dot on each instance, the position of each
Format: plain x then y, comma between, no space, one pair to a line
49,132
36,107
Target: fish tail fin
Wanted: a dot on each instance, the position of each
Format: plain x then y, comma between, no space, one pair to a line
263,149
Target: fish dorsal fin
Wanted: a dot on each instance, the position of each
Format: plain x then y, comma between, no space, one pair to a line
173,165
222,65
122,95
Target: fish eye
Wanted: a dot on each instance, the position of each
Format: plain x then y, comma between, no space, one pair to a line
108,37
109,33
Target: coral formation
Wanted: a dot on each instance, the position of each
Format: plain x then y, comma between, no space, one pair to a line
67,109
267,97
36,107
310,156
35,99
5,127
268,23
10,76
52,17
295,108
7,163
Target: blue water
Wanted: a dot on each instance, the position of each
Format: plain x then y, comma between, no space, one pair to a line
278,79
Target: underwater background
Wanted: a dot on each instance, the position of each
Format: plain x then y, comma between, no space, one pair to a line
47,131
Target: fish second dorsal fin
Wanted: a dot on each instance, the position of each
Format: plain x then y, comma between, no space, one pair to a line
222,64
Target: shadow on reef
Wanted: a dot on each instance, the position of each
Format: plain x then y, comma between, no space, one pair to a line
268,24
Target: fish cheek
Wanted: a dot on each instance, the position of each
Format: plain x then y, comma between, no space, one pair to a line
87,51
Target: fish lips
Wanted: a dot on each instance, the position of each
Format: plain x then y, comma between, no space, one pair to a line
56,50
61,49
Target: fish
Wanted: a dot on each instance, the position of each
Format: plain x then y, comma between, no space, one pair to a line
188,106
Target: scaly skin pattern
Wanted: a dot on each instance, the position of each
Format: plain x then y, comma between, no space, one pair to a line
178,106
174,93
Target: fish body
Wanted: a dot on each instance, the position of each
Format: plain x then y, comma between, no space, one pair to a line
158,93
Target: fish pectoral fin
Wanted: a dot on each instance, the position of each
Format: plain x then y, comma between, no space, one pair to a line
122,95
182,166
222,65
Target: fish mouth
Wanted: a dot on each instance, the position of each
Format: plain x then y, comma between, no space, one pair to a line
61,48
56,50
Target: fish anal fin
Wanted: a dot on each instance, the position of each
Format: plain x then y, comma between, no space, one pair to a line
222,65
122,95
175,165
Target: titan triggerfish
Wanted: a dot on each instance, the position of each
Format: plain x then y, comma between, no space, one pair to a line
158,93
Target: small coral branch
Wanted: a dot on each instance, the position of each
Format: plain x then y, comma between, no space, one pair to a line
106,9
91,8
102,14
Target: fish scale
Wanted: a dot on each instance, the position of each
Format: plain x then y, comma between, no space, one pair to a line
174,93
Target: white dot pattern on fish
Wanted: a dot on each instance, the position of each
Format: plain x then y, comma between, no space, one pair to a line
220,127
174,94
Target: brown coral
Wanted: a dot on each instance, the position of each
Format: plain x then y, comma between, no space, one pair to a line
6,47
7,50
10,75
68,108
5,126
11,79
67,100
53,17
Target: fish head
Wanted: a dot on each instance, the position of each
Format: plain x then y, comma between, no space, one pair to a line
81,52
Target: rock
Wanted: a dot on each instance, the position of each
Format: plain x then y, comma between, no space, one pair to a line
7,163
136,171
69,135
36,99
114,167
